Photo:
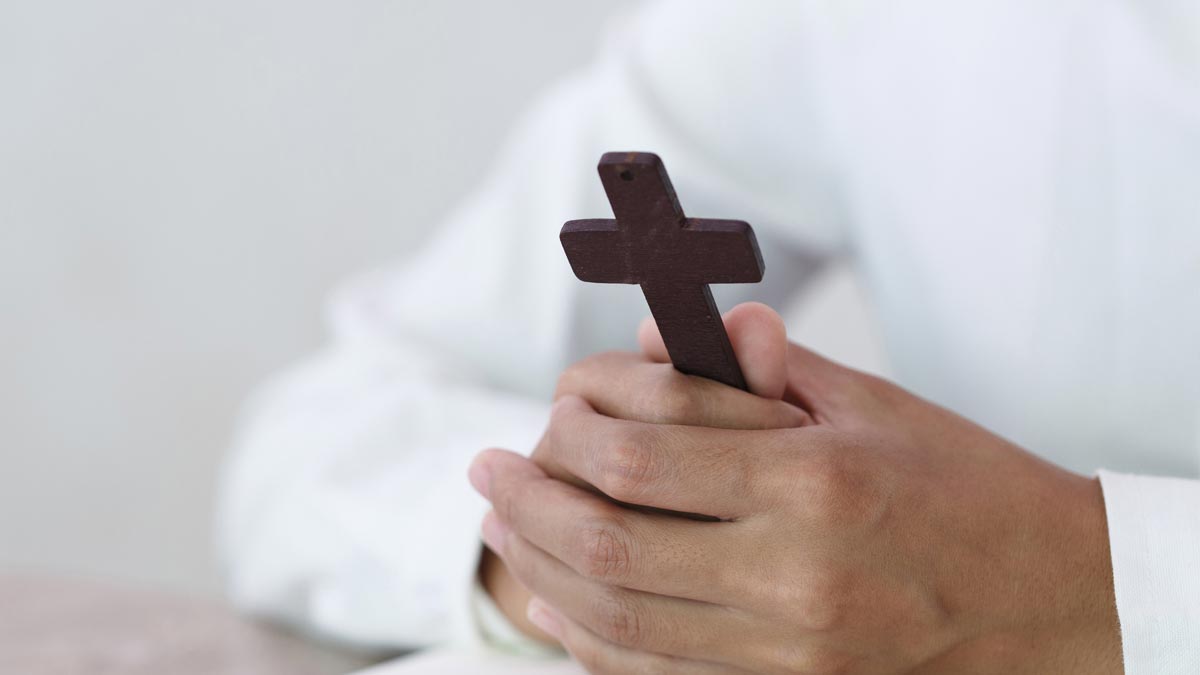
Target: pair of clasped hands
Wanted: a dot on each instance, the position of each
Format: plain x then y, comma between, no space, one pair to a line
852,527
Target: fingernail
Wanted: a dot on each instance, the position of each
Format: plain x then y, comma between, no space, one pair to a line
480,476
495,532
540,615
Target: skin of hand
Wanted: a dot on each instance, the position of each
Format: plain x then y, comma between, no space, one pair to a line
759,339
855,527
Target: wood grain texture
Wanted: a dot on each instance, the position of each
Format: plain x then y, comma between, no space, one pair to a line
672,257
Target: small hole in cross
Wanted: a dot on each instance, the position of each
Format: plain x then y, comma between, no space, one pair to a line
626,175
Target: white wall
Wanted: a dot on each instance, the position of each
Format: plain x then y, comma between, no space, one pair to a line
180,183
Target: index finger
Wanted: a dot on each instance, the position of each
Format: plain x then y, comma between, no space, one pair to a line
627,386
608,544
715,472
759,339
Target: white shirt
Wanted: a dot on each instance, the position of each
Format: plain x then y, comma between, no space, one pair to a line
1017,183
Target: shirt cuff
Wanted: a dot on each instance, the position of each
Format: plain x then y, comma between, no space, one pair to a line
1154,538
497,632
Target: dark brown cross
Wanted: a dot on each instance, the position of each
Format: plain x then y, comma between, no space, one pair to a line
672,257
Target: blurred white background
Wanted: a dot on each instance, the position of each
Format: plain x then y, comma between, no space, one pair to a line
180,185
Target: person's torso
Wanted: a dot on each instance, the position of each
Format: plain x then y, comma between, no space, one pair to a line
1025,199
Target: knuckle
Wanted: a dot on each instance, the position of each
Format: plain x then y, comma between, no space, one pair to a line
822,483
810,659
630,467
673,399
605,550
511,496
822,599
840,491
741,471
618,621
831,477
563,426
573,378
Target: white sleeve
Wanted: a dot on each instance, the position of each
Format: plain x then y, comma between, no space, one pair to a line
1154,537
344,507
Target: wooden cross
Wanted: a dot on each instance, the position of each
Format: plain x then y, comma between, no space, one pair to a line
672,257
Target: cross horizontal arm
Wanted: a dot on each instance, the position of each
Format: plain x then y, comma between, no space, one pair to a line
598,252
702,251
719,252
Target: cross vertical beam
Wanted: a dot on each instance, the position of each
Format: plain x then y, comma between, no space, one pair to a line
672,257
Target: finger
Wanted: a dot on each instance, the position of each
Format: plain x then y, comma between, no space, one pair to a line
651,342
759,340
613,545
642,621
601,657
717,472
627,386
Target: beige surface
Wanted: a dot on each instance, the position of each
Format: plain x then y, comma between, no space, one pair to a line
53,626
474,663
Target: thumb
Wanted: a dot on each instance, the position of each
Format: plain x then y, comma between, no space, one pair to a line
759,341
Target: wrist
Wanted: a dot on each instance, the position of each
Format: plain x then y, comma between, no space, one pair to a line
1069,623
1051,606
1092,624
